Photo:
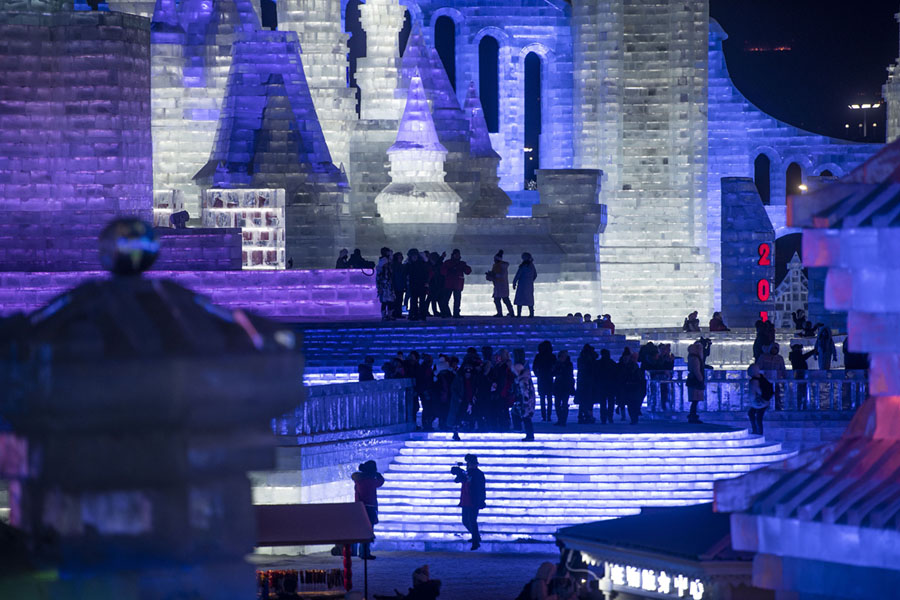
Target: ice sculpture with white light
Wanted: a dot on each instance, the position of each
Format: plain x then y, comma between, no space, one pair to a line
260,216
417,192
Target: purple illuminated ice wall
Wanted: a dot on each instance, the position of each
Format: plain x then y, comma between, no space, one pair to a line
75,146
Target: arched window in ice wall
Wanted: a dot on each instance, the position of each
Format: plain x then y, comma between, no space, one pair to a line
792,179
489,81
532,118
405,31
762,177
826,173
356,45
445,44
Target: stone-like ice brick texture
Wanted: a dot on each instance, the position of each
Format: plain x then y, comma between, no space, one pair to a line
75,146
288,295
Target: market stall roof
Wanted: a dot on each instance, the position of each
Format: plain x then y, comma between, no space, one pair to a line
689,532
310,524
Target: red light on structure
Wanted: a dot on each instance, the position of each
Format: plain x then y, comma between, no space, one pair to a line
765,255
763,290
764,315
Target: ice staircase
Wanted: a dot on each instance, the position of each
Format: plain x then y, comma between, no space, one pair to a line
534,488
342,346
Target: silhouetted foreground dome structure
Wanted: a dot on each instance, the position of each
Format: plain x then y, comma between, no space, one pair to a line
138,407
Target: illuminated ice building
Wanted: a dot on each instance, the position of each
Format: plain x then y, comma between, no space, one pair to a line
638,123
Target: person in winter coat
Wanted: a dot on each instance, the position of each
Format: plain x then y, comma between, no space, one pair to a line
605,385
717,323
544,361
825,349
462,397
398,274
563,386
436,302
634,386
525,399
417,276
499,276
424,588
584,392
384,284
771,364
356,261
665,365
758,404
799,366
443,380
503,393
472,496
539,587
691,322
366,482
343,261
454,272
696,380
523,283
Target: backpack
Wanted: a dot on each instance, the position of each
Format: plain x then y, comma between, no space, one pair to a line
766,388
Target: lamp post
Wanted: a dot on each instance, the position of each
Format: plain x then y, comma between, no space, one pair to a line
865,108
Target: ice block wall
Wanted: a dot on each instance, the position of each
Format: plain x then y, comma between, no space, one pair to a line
75,132
748,254
653,254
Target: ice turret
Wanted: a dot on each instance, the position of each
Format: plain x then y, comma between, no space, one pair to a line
492,202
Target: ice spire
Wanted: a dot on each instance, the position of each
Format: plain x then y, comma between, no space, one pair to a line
479,139
417,192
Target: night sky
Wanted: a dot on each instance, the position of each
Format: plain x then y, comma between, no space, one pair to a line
838,55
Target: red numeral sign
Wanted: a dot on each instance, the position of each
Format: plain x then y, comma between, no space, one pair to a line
763,290
765,252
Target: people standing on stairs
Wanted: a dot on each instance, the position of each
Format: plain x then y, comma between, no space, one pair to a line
366,482
424,379
826,351
472,495
544,361
696,380
417,276
799,366
607,324
563,386
484,410
435,301
605,376
384,284
765,335
398,272
761,392
499,277
584,391
525,402
621,396
523,283
454,272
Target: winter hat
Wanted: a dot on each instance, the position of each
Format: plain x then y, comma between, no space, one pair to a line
370,466
499,256
420,575
471,459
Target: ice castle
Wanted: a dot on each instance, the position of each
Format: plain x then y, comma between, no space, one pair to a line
639,123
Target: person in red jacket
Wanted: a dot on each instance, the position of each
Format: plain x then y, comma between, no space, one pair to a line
366,482
472,495
454,272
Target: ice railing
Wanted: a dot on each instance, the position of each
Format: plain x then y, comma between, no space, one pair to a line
351,407
836,390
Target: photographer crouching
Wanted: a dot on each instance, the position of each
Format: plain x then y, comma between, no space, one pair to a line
472,495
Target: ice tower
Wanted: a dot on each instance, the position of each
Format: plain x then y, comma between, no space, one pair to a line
417,192
269,137
323,43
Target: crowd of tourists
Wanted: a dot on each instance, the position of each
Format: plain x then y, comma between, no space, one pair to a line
424,282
